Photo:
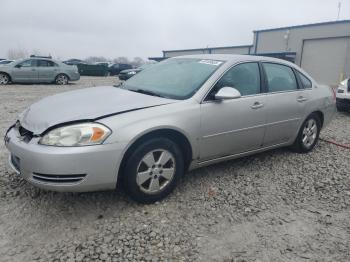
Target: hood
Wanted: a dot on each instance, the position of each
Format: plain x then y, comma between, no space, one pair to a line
84,104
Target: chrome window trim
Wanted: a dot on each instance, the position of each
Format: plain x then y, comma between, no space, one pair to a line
286,91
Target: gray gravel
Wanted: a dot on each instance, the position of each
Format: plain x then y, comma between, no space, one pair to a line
274,206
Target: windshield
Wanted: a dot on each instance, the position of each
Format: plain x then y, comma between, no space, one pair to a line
177,78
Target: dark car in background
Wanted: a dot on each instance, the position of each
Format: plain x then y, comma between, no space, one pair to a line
115,69
74,61
126,74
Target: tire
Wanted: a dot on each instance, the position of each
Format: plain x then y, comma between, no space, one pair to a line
308,134
153,170
4,79
61,79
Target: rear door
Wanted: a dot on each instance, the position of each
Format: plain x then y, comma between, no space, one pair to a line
25,72
47,70
285,103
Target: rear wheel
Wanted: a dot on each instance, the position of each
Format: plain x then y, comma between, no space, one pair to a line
153,170
4,79
308,134
61,79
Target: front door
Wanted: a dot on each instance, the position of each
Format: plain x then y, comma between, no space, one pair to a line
25,71
238,125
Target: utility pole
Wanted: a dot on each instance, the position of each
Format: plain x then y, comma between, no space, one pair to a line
339,8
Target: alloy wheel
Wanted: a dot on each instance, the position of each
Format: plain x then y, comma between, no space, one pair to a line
309,133
4,79
155,171
62,80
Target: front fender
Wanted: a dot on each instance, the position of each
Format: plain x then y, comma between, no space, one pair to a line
129,127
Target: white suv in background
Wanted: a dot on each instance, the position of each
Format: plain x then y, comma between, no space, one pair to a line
343,95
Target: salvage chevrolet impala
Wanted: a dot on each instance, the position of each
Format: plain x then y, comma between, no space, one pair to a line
180,114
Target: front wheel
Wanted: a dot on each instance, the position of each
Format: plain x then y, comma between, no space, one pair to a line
4,79
153,170
308,134
61,79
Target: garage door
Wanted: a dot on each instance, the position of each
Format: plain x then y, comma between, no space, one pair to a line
325,59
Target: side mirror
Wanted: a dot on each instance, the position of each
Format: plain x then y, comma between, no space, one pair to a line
18,66
227,93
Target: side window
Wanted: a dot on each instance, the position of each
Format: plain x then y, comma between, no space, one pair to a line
304,80
244,77
280,77
27,63
45,63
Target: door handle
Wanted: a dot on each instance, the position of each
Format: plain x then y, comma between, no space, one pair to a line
33,69
301,99
257,105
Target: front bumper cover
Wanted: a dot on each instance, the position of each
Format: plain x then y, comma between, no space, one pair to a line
70,169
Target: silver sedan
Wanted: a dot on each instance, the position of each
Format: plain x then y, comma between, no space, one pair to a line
38,70
180,114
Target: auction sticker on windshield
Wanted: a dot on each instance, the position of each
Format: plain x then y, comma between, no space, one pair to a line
211,62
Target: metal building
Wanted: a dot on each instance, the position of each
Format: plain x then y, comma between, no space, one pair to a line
322,49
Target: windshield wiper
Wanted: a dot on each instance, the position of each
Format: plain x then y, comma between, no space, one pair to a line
146,92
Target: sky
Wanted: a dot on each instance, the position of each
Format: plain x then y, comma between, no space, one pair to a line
143,28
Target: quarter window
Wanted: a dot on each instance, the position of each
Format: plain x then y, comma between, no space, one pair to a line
244,77
280,77
304,80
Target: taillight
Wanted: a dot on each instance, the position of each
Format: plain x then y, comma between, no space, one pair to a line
334,92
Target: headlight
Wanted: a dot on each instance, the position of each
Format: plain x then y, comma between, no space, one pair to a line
76,135
343,83
132,73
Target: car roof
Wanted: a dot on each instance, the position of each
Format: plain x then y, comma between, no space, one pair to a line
236,58
39,58
232,59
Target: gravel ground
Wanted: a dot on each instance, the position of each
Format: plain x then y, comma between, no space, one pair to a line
274,206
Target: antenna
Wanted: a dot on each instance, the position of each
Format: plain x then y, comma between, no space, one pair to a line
339,8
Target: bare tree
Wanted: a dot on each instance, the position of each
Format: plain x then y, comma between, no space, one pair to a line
122,60
18,53
137,62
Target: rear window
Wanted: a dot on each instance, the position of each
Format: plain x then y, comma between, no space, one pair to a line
280,77
45,63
